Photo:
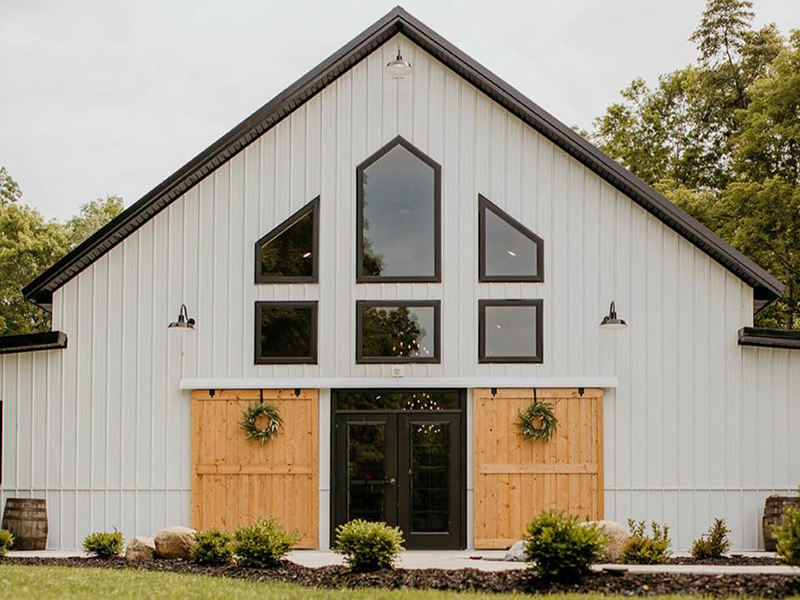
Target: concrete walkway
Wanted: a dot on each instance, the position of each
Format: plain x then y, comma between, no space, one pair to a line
484,560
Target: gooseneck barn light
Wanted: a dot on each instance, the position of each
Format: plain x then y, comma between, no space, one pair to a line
399,68
184,323
611,321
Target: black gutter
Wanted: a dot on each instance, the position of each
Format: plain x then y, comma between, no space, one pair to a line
29,342
769,338
40,291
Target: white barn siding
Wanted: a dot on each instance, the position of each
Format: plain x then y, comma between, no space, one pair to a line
697,428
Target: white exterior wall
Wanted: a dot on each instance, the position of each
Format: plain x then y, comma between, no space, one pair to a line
698,427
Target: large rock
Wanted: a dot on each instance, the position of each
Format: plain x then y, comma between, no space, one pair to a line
174,542
141,548
617,535
517,552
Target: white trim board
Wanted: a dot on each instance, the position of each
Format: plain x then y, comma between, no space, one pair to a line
223,383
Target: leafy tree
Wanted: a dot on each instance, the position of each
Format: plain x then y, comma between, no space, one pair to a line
392,332
29,244
93,216
720,139
9,189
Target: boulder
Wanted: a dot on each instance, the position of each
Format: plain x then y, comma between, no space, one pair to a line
516,553
174,542
617,534
141,548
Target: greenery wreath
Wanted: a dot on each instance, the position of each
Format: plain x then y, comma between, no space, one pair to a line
250,426
537,412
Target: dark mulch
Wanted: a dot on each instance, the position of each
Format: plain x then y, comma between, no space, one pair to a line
736,560
628,584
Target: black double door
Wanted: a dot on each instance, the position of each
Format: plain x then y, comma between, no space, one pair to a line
402,468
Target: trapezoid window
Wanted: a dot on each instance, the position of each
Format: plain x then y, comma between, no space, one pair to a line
286,332
508,251
389,331
399,215
510,331
289,253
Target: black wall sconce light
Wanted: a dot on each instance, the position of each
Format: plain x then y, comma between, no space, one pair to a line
184,323
611,321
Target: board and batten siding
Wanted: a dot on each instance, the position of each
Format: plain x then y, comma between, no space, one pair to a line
697,428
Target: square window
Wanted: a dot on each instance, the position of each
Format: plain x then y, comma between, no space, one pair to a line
510,331
286,332
395,331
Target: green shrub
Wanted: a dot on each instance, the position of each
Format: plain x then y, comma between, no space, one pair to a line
368,546
713,544
104,544
212,547
560,548
642,549
787,535
6,541
263,544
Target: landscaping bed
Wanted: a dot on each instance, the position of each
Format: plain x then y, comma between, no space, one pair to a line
729,561
627,584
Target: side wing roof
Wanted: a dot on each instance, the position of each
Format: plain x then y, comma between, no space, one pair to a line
40,291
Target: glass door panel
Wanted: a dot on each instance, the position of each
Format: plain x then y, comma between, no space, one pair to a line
430,474
366,470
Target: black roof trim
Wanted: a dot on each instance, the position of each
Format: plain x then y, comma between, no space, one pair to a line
48,340
769,338
40,291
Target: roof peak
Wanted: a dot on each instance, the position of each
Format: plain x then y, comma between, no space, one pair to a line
397,20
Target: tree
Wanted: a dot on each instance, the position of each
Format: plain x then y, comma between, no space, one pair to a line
29,244
9,189
93,216
720,139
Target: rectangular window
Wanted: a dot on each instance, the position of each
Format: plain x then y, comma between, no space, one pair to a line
510,331
286,332
394,331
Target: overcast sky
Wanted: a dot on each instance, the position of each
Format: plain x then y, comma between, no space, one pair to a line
110,97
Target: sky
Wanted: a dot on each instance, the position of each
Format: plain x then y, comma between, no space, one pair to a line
103,97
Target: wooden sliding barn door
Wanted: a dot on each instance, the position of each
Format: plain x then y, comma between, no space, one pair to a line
235,480
516,479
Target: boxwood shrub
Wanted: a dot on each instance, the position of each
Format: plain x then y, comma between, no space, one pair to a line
367,545
263,544
104,544
6,541
560,548
212,547
787,534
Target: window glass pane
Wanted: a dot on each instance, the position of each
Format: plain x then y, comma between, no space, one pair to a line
366,471
430,477
398,331
285,331
399,216
510,331
509,252
291,252
405,400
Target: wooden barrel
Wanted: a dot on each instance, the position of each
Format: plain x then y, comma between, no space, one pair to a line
773,515
26,519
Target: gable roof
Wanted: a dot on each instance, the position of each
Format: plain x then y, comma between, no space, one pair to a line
40,291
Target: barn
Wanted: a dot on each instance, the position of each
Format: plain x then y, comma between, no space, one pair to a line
343,307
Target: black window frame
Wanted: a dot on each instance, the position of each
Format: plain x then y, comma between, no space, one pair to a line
437,202
287,360
311,208
485,204
484,304
437,330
